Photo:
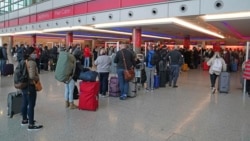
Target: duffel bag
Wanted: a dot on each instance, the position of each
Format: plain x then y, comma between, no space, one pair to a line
88,76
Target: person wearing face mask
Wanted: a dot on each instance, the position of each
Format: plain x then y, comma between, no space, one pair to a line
217,65
30,93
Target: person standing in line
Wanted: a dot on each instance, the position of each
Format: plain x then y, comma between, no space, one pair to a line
175,59
3,57
150,69
246,74
130,62
103,63
87,55
30,93
215,73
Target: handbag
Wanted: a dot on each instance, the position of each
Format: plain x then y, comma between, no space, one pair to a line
76,93
38,85
129,74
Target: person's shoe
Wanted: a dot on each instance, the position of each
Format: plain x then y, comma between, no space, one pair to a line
34,127
72,105
175,86
147,90
169,85
152,90
123,97
26,122
103,95
66,104
213,90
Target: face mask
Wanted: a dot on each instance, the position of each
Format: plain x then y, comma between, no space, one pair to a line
33,56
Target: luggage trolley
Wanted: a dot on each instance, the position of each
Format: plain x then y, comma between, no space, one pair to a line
138,69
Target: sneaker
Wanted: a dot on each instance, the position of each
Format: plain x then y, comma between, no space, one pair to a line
25,122
123,97
175,86
213,90
103,95
34,127
147,90
152,90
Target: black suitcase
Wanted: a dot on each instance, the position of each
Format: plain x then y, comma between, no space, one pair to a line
14,103
8,69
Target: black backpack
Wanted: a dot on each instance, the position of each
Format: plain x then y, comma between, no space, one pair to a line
21,76
154,59
1,53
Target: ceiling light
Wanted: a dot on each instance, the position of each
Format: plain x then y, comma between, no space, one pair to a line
226,16
196,28
6,34
133,23
28,32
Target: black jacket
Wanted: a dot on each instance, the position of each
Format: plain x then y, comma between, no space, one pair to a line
129,59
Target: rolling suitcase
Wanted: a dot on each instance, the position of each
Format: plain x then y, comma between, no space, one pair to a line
8,69
132,88
88,98
224,82
205,67
114,90
156,81
163,78
14,103
234,67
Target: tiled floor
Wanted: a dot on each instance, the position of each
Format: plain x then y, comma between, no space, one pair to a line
186,113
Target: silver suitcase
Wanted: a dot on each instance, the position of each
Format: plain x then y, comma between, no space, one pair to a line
224,82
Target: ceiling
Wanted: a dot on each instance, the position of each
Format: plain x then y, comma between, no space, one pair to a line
236,31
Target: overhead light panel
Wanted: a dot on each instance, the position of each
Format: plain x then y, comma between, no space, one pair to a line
232,16
28,32
134,23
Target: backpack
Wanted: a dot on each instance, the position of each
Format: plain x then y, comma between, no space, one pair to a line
217,65
153,59
65,67
1,53
21,76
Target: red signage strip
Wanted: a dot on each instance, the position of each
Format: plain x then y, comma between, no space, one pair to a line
100,5
24,20
80,8
33,18
2,25
13,22
127,3
44,16
63,12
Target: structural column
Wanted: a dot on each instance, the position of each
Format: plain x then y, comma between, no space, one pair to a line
136,39
10,45
186,42
33,40
69,39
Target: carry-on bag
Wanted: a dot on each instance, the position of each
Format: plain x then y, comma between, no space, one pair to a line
156,81
163,78
88,98
14,103
132,88
224,82
205,67
114,90
8,69
88,76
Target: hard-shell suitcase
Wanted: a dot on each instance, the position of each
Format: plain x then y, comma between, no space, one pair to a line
114,90
234,67
224,82
205,67
8,69
163,78
14,103
88,98
132,88
156,81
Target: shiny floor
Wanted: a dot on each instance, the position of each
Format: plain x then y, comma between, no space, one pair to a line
186,113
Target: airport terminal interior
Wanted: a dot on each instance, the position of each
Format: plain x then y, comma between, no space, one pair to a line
189,112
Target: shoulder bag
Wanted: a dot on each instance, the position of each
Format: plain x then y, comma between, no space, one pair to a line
129,74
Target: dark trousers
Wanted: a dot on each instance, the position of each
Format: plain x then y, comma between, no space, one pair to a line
213,79
248,86
103,78
174,74
28,103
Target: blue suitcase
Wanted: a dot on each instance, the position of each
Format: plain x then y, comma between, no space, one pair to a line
156,81
234,67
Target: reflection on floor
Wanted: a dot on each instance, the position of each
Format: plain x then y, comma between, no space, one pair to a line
186,113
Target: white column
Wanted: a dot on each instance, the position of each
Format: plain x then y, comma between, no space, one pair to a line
1,41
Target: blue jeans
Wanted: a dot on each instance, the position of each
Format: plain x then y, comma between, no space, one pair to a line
2,65
150,77
174,74
213,79
28,103
86,62
123,84
69,90
103,78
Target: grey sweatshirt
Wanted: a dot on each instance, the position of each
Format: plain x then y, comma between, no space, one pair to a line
103,63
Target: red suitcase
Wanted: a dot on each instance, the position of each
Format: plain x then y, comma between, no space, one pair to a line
88,98
205,66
